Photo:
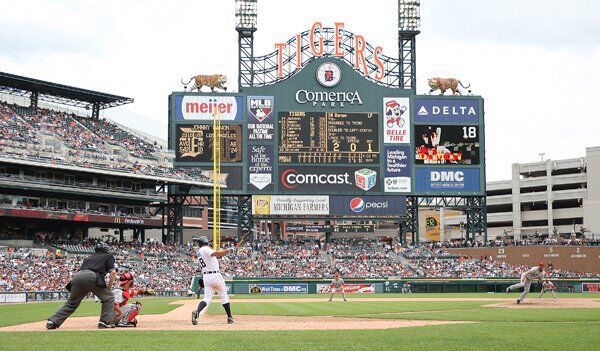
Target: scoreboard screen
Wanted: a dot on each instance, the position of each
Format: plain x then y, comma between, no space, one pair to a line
194,143
328,137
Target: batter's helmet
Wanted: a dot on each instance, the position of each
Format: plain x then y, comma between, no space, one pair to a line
542,264
202,240
125,277
101,247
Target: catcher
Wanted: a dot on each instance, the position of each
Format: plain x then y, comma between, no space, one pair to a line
125,314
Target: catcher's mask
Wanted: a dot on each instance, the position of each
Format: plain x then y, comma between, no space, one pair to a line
126,277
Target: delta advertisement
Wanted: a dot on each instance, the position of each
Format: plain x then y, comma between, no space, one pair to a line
278,288
203,107
356,206
397,169
348,288
260,167
446,110
260,118
323,180
275,205
455,179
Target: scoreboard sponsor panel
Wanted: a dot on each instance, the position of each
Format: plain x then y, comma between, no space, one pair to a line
304,135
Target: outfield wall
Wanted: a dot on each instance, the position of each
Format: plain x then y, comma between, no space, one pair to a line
572,258
367,286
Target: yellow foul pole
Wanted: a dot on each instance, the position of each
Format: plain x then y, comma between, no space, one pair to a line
216,180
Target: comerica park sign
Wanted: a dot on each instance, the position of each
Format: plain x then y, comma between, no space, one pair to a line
329,128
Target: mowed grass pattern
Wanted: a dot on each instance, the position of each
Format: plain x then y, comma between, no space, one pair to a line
493,328
459,337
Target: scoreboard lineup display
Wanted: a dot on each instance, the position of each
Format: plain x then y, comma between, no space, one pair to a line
328,130
328,137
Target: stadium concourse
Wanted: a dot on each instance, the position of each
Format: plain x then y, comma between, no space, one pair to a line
171,268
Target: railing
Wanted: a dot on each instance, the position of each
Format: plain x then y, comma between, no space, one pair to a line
41,296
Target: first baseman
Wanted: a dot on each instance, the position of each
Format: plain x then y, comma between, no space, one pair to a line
212,278
526,278
337,284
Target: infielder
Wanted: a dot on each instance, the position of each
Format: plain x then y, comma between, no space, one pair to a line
337,284
547,285
212,278
526,278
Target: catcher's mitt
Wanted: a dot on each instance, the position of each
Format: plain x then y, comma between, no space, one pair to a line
149,292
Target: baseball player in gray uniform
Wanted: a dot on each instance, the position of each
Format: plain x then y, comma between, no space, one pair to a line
526,278
547,285
337,284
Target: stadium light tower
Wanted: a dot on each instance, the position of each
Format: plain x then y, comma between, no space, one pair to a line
409,24
245,24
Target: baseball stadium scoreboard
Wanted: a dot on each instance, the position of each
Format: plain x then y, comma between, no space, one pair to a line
328,133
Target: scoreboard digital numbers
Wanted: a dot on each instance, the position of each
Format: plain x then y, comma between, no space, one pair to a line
328,137
194,143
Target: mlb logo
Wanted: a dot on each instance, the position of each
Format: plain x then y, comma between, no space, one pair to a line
260,108
365,178
329,75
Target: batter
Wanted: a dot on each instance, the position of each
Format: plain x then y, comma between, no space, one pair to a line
212,278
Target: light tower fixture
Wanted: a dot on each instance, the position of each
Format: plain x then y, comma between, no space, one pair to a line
409,15
409,25
245,15
245,24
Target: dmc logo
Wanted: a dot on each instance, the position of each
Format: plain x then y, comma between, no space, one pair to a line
291,179
447,176
357,205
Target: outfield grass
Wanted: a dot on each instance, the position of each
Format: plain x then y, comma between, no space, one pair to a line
459,337
422,310
12,314
493,328
424,295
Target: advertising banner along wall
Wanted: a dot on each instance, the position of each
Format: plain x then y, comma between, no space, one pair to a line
274,288
348,288
289,205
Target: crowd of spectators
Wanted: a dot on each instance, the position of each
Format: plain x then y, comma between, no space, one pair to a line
112,134
171,267
572,240
86,143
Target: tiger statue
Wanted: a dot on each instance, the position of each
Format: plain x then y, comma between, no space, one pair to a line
444,84
213,81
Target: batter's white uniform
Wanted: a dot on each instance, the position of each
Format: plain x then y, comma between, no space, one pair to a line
547,286
213,280
526,278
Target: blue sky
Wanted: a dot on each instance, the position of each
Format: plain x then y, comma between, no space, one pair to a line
537,63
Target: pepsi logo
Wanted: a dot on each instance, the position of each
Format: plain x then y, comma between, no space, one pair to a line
357,205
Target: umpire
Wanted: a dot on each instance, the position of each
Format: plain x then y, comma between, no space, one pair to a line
90,277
